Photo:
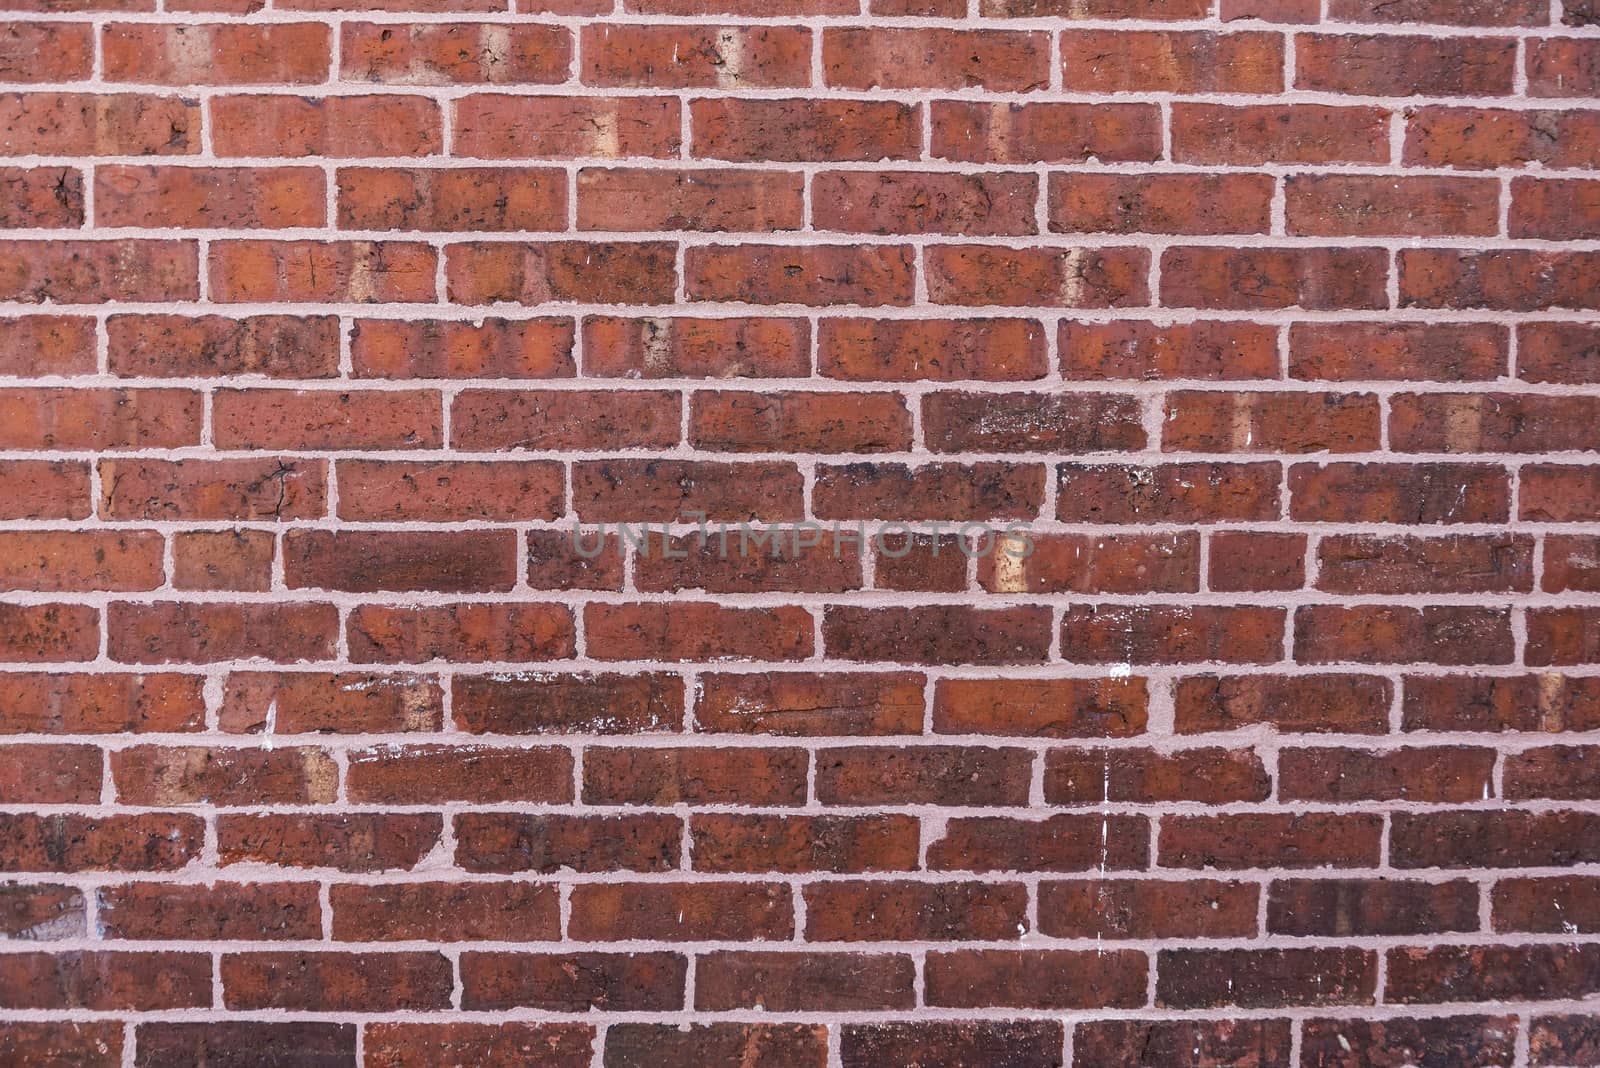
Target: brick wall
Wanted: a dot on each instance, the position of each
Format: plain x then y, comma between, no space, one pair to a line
1263,734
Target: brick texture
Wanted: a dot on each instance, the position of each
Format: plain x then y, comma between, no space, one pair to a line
799,533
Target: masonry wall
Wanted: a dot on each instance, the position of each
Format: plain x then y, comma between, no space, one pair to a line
1263,733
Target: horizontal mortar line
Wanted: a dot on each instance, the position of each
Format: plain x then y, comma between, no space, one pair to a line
1032,941
1252,735
1256,26
733,310
1164,809
1314,529
1035,671
1301,598
910,95
801,239
1090,165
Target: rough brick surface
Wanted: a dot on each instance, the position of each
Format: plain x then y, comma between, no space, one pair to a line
799,533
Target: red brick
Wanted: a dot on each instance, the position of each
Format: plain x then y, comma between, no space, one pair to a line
947,1044
679,912
364,272
172,346
1147,908
89,124
1317,279
1438,775
484,272
1053,708
1149,776
908,350
105,981
1545,703
512,842
1491,422
94,272
61,703
402,1045
53,774
46,51
1031,422
1270,840
219,54
70,843
1560,67
927,775
1357,206
1507,279
346,702
1173,61
1442,352
466,53
457,198
48,633
490,126
887,202
442,491
1383,634
1110,1043
243,911
696,631
1468,1039
1159,203
1083,563
1037,978
894,911
668,490
988,275
336,982
334,126
209,197
938,634
194,1045
788,421
43,197
448,912
223,560
573,982
629,198
1138,634
169,632
1396,65
728,842
694,776
979,132
442,348
1278,133
797,130
1490,973
801,982
1508,838
82,1045
41,912
47,345
1556,209
1069,842
190,775
1484,138
54,561
818,275
1167,493
356,842
463,633
862,57
709,56
805,704
325,419
1263,978
1557,352
681,347
1256,561
749,1045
